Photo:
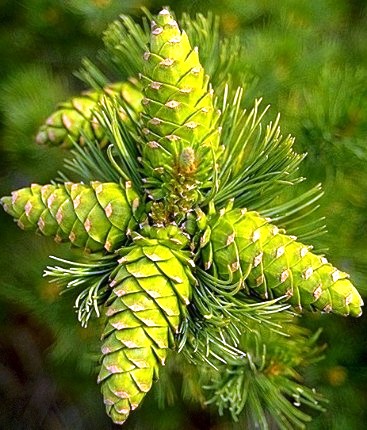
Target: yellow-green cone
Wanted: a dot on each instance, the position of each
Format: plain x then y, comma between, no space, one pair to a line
75,120
244,245
94,217
150,291
180,120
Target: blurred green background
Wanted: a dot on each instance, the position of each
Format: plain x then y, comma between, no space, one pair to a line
308,59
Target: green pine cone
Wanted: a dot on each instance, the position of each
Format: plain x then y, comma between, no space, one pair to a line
92,217
180,120
244,245
74,120
150,291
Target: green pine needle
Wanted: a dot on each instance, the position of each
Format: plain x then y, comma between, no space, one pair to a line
266,380
91,277
255,163
122,154
89,163
218,315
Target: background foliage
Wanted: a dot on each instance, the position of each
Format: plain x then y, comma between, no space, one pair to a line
308,60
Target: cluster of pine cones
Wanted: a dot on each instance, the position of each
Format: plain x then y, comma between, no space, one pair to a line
166,229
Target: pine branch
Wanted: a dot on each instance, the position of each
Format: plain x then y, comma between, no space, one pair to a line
188,261
266,380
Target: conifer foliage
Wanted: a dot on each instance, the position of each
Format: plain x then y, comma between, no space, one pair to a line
181,210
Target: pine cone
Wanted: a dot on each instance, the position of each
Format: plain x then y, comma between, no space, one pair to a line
149,288
92,217
178,114
145,280
75,120
245,246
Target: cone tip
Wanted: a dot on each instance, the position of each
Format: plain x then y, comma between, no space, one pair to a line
165,11
41,137
5,202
